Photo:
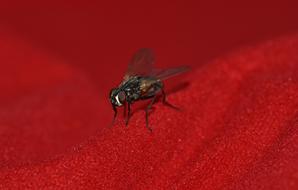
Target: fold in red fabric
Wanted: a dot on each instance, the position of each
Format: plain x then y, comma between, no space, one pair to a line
237,128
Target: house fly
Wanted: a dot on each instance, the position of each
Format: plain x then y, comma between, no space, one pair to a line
142,81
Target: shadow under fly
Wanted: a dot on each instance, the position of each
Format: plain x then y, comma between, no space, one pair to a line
142,81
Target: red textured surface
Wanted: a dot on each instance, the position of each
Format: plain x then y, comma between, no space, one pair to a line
238,127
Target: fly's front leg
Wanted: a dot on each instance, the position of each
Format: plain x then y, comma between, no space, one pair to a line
147,112
128,114
115,115
124,109
165,102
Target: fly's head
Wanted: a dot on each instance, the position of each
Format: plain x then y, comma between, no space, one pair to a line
117,97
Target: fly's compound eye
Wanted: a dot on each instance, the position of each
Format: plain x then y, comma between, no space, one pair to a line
120,98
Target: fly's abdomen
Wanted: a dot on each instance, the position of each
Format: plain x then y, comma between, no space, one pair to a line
149,87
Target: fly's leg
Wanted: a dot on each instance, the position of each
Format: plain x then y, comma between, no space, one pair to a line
128,114
147,112
124,109
165,102
115,115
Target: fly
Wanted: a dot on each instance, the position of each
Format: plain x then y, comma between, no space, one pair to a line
142,81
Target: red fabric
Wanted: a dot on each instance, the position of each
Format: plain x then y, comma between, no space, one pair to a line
238,127
238,124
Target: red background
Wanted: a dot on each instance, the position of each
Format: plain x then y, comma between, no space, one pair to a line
59,60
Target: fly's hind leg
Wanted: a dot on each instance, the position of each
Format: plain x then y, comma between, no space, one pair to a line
165,102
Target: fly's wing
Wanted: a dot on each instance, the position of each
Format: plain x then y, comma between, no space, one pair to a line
141,63
167,73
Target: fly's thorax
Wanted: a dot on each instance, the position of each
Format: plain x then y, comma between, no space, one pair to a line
131,88
132,92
